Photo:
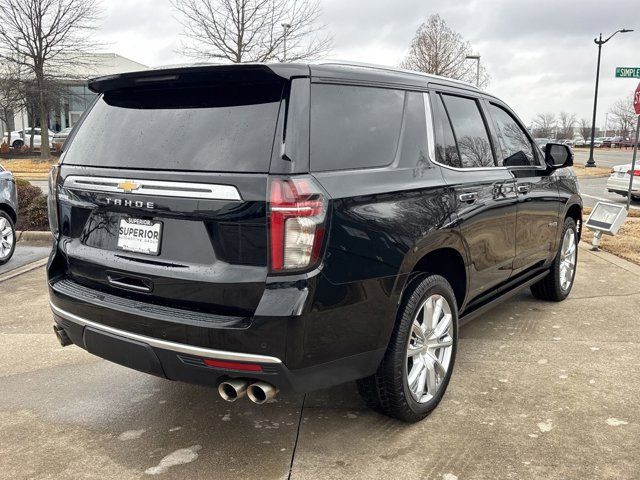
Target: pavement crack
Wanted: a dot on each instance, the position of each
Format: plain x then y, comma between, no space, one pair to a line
591,297
295,444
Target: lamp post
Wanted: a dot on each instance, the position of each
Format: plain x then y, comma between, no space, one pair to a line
598,41
286,27
477,58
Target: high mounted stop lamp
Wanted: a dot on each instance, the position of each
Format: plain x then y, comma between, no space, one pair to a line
605,218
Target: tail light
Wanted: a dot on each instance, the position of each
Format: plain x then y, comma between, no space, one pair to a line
635,173
297,214
52,200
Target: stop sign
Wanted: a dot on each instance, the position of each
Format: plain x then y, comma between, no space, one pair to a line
636,100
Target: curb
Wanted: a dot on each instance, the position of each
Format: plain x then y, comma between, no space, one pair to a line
613,259
33,236
23,269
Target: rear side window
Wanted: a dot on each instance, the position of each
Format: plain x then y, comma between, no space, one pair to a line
446,149
514,143
354,127
216,127
470,132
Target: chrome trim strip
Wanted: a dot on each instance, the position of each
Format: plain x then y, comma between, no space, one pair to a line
431,128
154,187
166,345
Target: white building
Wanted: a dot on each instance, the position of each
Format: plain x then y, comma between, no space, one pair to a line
79,97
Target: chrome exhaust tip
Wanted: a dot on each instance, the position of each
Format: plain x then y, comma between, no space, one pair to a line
261,392
233,389
62,336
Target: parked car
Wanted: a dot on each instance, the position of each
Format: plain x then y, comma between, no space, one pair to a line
579,142
597,142
23,137
618,181
8,215
62,135
344,237
541,142
618,142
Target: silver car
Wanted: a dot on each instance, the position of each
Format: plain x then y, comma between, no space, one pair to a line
619,181
8,215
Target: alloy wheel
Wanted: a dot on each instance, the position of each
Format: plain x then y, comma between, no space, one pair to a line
568,253
6,238
429,348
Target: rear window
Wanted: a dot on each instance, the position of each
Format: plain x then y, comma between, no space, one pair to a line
354,127
222,128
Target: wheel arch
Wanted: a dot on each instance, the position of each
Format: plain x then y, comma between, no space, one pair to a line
574,210
9,211
442,254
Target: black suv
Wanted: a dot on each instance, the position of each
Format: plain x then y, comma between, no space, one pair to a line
292,227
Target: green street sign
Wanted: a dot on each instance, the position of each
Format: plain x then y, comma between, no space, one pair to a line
627,72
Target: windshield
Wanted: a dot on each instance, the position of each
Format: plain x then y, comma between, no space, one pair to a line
224,128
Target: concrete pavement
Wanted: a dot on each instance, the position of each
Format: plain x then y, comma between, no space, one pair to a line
540,390
25,254
604,157
594,189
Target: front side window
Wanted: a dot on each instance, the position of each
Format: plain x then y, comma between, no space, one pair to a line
354,127
514,143
470,132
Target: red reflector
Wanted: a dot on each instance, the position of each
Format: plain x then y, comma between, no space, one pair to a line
245,367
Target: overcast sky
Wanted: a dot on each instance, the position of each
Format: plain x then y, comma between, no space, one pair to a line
540,54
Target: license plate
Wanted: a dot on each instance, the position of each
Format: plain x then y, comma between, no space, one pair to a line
139,235
621,174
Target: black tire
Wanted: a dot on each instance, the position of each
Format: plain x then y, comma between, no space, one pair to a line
550,288
17,144
387,391
5,258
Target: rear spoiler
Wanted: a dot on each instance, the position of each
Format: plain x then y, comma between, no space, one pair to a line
198,74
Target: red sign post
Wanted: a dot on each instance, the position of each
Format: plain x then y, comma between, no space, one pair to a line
636,106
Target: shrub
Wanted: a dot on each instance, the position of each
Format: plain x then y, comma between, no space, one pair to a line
25,149
27,193
4,148
37,218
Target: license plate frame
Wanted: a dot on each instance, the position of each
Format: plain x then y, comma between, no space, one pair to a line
138,235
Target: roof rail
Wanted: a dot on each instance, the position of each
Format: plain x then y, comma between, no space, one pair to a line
373,66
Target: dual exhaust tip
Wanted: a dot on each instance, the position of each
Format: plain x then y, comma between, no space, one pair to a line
258,392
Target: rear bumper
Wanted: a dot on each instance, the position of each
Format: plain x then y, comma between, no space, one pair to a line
621,185
186,362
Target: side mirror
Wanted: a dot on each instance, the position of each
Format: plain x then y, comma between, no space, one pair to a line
557,155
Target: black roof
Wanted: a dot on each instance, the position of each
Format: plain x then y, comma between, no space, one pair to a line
328,70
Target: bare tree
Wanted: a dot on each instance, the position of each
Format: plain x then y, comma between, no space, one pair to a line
623,115
252,30
438,50
567,122
544,124
585,128
46,38
11,95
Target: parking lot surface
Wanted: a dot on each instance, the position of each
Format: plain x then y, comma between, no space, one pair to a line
539,390
25,254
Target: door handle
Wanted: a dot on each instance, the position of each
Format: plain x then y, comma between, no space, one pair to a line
468,197
523,188
137,284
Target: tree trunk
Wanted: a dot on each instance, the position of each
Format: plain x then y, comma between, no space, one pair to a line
45,151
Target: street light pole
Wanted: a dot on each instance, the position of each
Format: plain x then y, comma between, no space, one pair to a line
477,58
286,27
598,41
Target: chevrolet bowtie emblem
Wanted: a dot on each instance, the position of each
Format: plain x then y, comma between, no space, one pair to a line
128,186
